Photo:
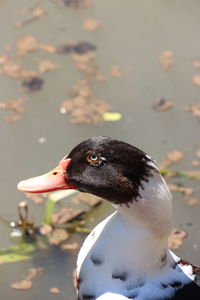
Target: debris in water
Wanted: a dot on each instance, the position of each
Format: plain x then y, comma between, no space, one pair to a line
45,229
32,84
79,48
187,191
195,163
166,60
100,77
82,111
88,199
66,214
115,71
15,107
192,174
22,285
75,4
196,80
91,24
112,116
24,224
58,236
37,14
12,68
176,238
198,153
191,201
42,140
162,104
29,44
54,290
196,63
81,89
10,119
170,158
27,283
46,65
193,108
72,246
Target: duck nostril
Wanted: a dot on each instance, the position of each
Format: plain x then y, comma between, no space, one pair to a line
55,173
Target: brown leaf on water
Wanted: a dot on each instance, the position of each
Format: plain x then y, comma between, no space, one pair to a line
162,104
10,119
191,201
89,68
66,214
89,199
198,153
82,111
91,24
72,246
195,163
187,191
22,285
45,229
46,65
166,60
193,174
12,68
29,44
39,12
196,80
26,284
115,71
196,63
58,236
100,77
33,272
14,105
176,238
194,109
170,158
54,290
75,4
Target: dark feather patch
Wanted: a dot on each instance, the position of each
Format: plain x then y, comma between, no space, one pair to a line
88,297
118,175
120,275
96,260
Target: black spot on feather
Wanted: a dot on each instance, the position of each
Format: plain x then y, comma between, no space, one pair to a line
88,297
96,260
120,275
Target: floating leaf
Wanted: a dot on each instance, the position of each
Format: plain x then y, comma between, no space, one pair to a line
19,252
112,116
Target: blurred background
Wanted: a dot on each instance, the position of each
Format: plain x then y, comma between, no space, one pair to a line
72,69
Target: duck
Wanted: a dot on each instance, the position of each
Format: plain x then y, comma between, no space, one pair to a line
126,255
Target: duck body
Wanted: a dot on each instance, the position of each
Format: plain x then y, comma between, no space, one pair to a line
126,255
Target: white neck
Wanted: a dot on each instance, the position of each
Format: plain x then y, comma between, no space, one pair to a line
153,209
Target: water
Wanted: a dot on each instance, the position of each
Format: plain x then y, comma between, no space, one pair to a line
132,36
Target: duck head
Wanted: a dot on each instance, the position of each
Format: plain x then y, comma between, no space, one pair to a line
108,168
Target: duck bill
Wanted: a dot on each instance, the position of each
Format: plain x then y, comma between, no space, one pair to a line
51,181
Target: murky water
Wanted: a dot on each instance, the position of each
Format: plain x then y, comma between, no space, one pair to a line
132,36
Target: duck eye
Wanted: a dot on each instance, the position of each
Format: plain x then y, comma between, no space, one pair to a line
93,158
